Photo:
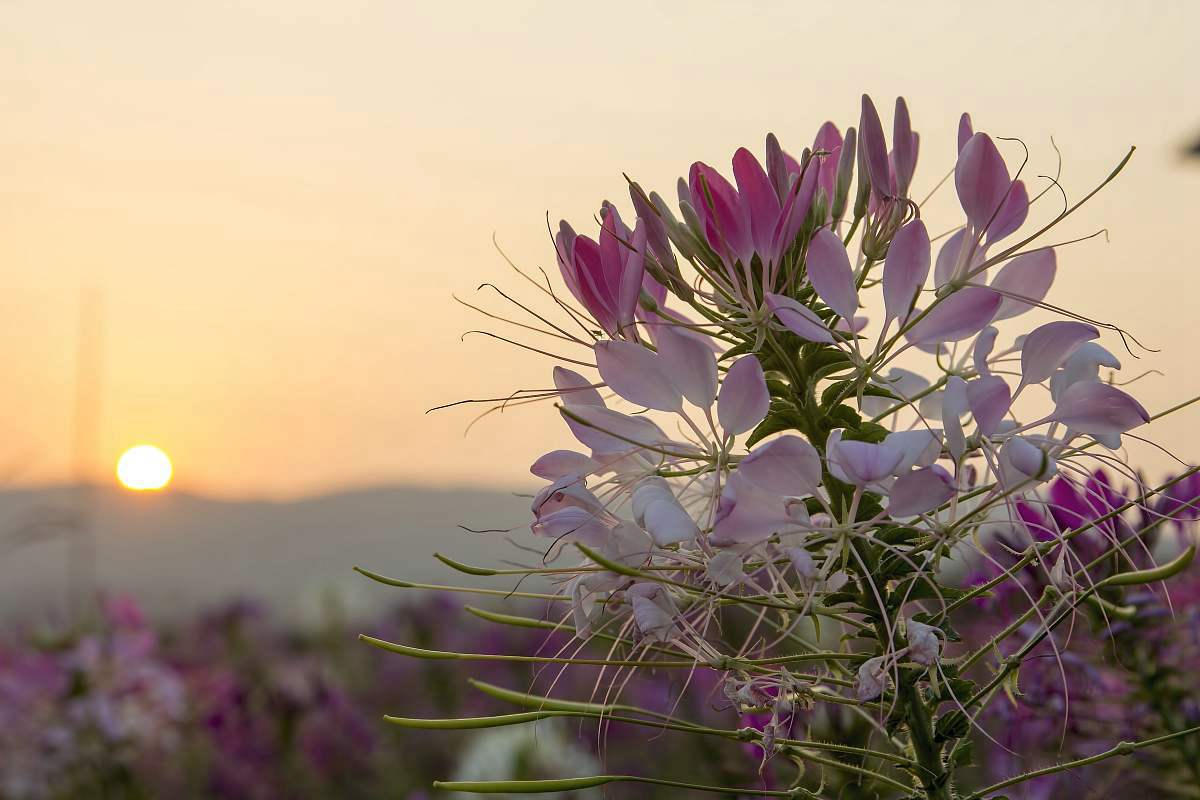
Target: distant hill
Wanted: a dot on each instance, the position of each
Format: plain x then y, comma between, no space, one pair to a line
178,553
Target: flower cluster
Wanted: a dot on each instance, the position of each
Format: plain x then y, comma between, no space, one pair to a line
234,703
798,414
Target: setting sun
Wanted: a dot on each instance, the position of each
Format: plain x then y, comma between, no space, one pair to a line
144,468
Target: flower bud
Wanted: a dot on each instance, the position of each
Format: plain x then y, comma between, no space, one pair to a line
845,171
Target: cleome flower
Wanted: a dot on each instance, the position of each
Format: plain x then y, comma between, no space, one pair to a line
794,424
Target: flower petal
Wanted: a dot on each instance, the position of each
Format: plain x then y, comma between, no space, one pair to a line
725,569
954,405
609,432
860,462
799,319
788,466
1028,459
758,196
1047,347
830,272
654,611
689,364
657,510
981,179
637,375
959,316
744,399
727,225
1024,281
905,269
984,344
919,491
965,130
920,447
1083,365
575,389
748,514
989,399
559,463
1098,408
1011,215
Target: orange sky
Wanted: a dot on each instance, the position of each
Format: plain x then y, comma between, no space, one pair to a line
276,204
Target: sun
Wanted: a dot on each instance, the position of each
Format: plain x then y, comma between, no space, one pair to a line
144,468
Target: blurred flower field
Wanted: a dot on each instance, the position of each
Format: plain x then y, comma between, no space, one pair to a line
233,704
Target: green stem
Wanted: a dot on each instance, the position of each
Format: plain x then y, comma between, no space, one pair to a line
1122,749
935,781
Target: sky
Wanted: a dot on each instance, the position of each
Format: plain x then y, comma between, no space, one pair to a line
268,206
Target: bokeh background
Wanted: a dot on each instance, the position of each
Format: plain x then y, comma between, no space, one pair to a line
234,229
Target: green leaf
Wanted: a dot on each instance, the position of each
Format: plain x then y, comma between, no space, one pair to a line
898,534
871,390
844,417
954,724
866,432
918,588
821,359
964,756
957,687
779,389
833,392
869,506
777,420
737,350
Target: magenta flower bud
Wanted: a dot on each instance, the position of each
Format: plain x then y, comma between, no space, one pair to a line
965,130
605,276
658,221
905,145
757,197
828,142
725,222
874,148
780,167
845,171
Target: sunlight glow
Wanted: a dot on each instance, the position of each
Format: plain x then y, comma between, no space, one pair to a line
144,468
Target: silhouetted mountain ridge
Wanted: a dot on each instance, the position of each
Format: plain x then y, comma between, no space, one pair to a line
178,552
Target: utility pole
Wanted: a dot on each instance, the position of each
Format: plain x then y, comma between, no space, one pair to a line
81,546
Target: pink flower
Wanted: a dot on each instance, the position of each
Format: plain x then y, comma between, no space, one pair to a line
605,276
